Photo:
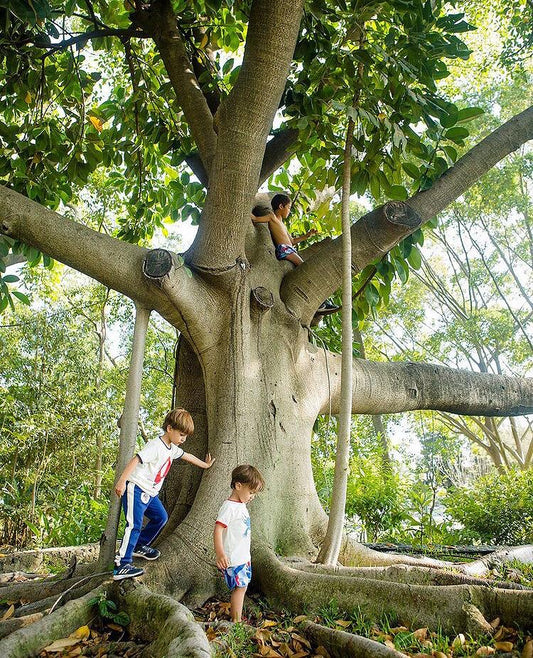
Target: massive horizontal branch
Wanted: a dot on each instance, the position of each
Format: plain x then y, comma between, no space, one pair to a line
116,264
200,323
380,388
320,275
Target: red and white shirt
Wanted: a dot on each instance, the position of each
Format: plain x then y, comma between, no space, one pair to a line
156,459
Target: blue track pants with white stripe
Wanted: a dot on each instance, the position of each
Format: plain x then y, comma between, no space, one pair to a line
137,504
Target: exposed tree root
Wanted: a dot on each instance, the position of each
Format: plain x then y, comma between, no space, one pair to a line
10,625
31,591
347,645
483,566
30,640
452,607
17,577
39,559
406,574
354,554
167,624
46,604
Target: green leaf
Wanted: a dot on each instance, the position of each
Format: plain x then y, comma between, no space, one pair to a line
372,294
22,297
398,192
10,278
469,113
456,134
411,170
415,258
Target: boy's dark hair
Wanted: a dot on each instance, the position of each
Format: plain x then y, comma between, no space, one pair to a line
261,210
246,474
279,200
180,420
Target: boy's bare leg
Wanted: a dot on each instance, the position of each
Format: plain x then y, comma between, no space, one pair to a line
237,601
295,259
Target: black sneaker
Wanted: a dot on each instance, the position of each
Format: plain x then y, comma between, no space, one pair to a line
147,552
327,307
126,571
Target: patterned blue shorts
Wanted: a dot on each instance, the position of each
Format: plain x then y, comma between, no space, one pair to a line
238,576
284,250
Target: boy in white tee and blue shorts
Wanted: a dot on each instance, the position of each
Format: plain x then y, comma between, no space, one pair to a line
139,486
232,535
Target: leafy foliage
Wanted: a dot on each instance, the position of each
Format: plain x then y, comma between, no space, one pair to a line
58,412
497,508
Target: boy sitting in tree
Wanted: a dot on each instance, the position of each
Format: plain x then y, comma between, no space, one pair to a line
275,216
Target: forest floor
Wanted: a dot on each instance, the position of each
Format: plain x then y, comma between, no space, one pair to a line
268,633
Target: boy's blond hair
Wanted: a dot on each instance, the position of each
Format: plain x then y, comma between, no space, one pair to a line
246,474
179,419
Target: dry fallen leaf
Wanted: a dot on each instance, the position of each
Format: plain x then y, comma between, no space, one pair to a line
59,645
527,651
390,644
485,651
8,613
268,623
322,651
399,629
74,652
299,618
421,634
439,654
503,646
115,627
82,633
495,622
343,623
301,639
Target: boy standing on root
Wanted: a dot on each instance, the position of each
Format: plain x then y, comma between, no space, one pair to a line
232,534
139,486
284,242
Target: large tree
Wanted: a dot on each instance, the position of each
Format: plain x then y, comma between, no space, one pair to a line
255,383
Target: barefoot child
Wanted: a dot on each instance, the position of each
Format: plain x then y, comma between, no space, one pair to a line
283,241
139,486
232,534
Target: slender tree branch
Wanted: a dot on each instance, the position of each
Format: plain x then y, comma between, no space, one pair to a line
159,21
88,36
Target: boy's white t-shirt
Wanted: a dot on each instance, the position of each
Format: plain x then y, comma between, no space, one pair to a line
234,516
156,459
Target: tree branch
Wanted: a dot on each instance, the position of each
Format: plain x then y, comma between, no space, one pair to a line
380,388
245,118
278,150
304,288
116,264
159,21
